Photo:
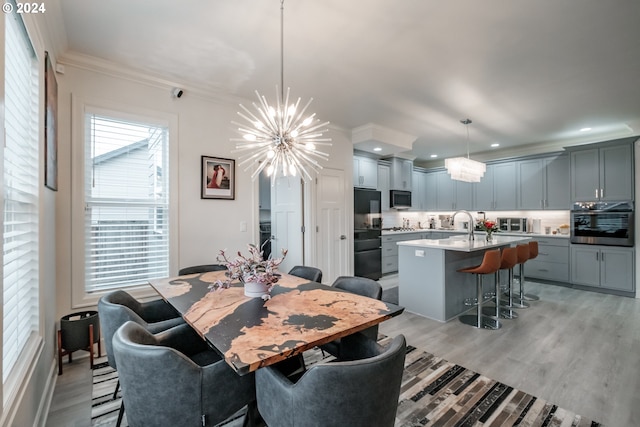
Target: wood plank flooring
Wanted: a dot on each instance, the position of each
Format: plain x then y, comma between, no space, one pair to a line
577,349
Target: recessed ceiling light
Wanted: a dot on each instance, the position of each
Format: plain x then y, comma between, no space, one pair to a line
433,156
585,129
377,149
495,145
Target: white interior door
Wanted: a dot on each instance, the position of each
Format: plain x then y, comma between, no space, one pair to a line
286,221
332,241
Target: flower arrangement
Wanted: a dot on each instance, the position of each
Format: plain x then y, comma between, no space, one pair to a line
488,226
249,269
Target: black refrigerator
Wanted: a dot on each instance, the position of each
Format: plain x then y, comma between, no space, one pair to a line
367,225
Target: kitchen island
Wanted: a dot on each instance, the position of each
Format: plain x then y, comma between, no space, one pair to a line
429,282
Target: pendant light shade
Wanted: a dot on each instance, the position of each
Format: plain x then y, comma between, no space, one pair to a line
282,139
463,168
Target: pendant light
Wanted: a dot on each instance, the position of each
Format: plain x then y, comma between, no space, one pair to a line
281,138
463,168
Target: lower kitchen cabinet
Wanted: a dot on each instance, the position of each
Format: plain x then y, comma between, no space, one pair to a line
390,247
552,262
603,266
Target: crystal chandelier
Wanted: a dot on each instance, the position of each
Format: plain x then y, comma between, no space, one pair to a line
463,168
281,138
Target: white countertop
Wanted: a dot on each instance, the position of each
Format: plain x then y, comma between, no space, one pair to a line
477,233
462,244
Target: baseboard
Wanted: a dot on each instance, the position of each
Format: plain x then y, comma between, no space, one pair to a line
47,395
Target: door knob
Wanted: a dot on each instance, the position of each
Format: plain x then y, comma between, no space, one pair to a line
343,237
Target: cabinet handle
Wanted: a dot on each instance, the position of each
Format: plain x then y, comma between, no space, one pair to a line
602,193
543,253
596,193
597,256
602,257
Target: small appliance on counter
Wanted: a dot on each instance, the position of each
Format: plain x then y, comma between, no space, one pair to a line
445,221
536,226
518,225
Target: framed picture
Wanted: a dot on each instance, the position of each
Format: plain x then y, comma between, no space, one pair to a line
218,178
50,126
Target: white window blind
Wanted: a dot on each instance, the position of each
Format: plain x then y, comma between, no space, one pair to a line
126,202
21,185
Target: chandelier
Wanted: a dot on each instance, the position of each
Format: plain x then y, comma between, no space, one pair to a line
283,138
463,168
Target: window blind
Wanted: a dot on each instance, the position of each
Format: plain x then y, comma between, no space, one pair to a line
20,256
126,202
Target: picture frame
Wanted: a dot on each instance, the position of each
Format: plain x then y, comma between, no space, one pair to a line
218,178
50,126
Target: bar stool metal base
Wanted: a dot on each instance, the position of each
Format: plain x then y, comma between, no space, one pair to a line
516,303
530,297
486,322
505,313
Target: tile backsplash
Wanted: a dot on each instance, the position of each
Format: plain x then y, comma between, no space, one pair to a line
551,219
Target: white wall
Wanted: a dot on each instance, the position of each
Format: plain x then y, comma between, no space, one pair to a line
204,128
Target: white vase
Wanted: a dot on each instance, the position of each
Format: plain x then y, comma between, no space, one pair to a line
255,290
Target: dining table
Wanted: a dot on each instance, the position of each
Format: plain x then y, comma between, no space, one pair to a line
251,333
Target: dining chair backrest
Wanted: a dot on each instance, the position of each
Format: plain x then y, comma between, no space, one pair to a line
359,285
358,392
118,307
312,274
166,383
201,269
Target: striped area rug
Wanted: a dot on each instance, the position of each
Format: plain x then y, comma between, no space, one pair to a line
434,392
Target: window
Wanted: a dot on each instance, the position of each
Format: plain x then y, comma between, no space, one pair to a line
126,202
21,163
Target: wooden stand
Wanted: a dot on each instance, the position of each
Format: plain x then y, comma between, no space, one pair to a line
78,334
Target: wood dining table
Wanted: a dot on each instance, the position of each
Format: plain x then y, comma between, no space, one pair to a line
251,333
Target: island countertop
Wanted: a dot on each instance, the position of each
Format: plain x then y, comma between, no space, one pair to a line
462,244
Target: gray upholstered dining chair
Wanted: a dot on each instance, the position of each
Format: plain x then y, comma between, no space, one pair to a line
361,390
361,286
118,307
173,379
201,269
312,274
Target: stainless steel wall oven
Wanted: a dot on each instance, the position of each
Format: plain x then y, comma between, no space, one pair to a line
603,223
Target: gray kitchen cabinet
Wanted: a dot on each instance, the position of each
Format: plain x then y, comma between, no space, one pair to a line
431,192
384,180
390,248
557,183
497,189
418,192
365,172
504,186
483,192
552,262
445,192
603,173
543,183
401,174
464,195
603,266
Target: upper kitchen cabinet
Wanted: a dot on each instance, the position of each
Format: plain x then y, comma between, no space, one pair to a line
543,183
452,194
365,172
603,172
384,180
497,189
401,174
418,192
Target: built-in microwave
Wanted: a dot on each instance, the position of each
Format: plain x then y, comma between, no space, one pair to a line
603,223
400,199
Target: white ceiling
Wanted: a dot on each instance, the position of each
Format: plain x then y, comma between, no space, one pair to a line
525,71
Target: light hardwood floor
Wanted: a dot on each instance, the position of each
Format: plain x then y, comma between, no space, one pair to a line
577,349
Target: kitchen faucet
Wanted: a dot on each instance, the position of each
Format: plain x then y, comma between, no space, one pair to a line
471,225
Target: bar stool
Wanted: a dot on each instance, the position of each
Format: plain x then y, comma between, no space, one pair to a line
507,262
490,265
533,253
523,255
